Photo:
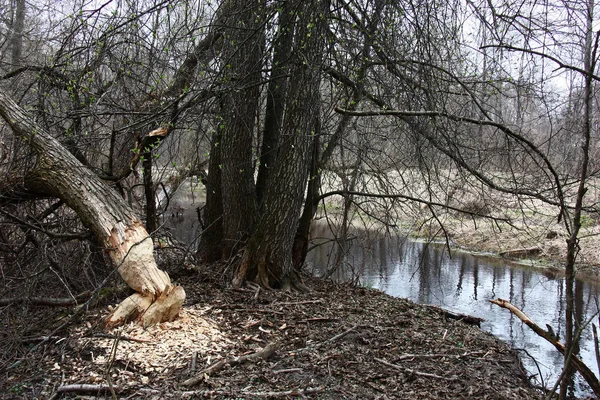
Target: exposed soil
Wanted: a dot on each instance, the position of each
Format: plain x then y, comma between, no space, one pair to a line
334,342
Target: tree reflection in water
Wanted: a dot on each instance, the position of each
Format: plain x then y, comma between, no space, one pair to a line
425,273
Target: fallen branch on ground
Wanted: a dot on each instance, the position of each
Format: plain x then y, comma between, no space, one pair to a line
332,339
296,303
417,373
83,388
467,319
46,301
261,354
126,338
287,393
411,356
579,365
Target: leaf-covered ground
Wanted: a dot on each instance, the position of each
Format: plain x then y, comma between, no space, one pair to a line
335,342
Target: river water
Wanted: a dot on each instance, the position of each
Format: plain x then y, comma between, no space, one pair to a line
426,273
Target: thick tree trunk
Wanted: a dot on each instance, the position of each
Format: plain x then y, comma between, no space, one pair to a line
268,257
124,238
276,96
243,54
321,159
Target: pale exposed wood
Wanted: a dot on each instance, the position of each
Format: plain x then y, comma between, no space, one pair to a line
579,365
165,308
133,250
58,173
128,310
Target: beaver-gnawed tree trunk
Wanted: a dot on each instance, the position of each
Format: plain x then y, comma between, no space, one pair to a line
268,256
123,236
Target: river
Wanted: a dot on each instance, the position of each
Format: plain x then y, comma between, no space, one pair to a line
426,273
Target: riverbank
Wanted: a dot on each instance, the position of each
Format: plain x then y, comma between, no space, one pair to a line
533,238
334,342
468,216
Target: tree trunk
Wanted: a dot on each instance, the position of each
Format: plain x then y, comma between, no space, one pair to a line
321,159
268,256
276,95
16,40
311,204
210,248
571,341
242,54
123,236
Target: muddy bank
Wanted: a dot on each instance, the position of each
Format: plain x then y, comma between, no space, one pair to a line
335,342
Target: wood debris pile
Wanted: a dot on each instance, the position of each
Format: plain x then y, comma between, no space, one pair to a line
162,348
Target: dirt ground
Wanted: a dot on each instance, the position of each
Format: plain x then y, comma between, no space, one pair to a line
335,342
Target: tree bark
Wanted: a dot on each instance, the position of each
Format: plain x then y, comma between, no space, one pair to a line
210,248
16,40
276,96
123,236
241,77
268,256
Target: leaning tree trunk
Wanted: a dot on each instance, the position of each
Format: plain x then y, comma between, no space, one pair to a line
123,236
268,256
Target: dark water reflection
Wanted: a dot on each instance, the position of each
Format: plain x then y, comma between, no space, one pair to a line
425,273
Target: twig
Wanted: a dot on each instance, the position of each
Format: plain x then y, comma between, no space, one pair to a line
193,363
261,354
596,348
339,336
126,338
113,356
88,388
45,301
537,365
411,356
257,310
321,319
294,303
413,372
332,339
98,389
228,393
285,371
